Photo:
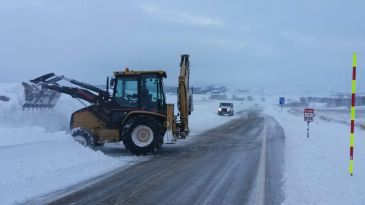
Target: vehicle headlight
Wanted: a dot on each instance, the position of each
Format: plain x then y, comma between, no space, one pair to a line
228,109
219,109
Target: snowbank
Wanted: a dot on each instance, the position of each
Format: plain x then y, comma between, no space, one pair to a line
13,116
37,162
36,154
316,168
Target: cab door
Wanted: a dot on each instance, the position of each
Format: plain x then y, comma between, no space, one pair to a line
152,97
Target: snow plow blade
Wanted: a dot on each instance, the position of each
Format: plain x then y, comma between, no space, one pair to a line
36,96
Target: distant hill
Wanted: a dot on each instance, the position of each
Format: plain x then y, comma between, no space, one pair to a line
200,90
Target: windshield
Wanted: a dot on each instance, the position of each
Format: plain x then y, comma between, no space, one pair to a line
226,105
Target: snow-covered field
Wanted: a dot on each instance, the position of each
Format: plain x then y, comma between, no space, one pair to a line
38,157
338,114
316,168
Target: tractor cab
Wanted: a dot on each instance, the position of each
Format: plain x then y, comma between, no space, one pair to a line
140,90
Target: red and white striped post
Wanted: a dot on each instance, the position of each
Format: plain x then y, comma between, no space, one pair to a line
352,134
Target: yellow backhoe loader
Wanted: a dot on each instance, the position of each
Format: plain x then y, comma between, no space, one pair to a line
135,112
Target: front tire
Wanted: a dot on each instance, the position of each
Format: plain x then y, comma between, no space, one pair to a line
142,135
84,138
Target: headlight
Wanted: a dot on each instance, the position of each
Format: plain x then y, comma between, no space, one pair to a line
219,109
228,109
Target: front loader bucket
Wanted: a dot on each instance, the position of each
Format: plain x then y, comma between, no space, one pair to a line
36,97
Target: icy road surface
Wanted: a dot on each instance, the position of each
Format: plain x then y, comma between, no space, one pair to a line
239,162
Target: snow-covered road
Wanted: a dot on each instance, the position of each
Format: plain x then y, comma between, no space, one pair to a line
239,162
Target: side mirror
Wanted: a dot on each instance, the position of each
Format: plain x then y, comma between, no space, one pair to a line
112,82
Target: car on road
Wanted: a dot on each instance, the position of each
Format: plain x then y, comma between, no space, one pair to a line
226,109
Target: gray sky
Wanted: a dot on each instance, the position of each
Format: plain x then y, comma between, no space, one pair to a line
279,43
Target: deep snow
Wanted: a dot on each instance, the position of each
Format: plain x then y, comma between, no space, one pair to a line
316,168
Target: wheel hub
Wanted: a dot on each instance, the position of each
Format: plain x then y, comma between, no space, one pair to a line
142,136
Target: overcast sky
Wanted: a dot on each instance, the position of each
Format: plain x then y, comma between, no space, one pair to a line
279,43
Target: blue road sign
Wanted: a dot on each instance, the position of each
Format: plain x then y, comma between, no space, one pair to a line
281,100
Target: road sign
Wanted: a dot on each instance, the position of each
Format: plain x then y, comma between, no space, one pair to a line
308,115
281,100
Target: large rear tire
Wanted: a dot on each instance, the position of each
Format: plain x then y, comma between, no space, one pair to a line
142,135
160,141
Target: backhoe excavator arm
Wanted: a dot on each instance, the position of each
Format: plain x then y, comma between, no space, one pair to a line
180,127
184,96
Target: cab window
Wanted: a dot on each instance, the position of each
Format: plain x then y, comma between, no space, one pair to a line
126,92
